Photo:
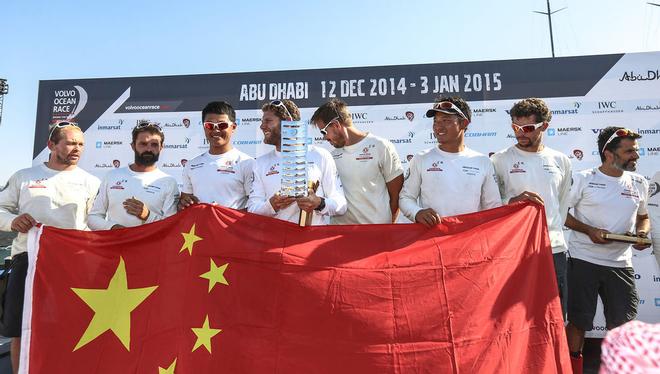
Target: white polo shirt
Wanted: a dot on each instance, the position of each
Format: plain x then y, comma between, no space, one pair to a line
54,198
157,190
548,173
449,183
320,167
224,179
609,203
364,169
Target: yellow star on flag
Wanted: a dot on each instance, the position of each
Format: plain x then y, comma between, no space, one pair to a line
215,275
169,370
204,335
112,307
189,239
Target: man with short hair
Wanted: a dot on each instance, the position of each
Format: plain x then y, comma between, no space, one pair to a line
139,193
449,179
604,199
368,165
529,170
223,175
56,193
265,199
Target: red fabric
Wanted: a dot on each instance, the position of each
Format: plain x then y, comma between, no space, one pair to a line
476,294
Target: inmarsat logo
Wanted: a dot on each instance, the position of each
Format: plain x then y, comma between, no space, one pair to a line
67,104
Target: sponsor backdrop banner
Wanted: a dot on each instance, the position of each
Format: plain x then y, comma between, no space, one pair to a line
585,95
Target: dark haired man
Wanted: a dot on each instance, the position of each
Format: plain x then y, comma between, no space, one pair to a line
608,198
529,170
139,193
223,175
56,193
328,199
449,179
368,165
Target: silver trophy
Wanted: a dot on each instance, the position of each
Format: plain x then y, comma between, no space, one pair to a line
293,166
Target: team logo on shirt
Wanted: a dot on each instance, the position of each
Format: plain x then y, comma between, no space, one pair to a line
435,166
517,168
227,168
196,166
38,183
119,185
470,170
551,169
366,153
274,169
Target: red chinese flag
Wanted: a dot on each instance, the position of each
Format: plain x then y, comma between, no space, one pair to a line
213,290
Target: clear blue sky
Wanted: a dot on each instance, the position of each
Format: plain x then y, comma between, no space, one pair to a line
43,40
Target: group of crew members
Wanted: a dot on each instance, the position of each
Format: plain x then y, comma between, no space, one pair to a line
361,181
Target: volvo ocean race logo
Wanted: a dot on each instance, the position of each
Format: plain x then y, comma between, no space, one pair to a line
68,103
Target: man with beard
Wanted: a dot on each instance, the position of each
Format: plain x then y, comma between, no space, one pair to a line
223,175
449,179
265,199
608,198
368,165
56,193
529,170
139,193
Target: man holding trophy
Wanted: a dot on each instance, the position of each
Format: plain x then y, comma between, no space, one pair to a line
606,200
296,180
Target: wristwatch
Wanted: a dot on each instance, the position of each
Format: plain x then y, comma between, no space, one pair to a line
321,205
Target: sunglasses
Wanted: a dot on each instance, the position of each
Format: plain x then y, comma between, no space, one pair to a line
279,103
216,125
59,125
144,124
526,128
324,130
618,134
448,105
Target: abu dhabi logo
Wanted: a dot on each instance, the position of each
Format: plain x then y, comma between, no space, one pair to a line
68,103
649,75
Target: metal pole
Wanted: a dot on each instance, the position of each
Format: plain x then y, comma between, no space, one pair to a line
552,42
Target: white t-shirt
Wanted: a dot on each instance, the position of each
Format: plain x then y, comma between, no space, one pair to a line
608,203
654,213
364,169
224,179
157,190
54,198
449,183
320,167
548,173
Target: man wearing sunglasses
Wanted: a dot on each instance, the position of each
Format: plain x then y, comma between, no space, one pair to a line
57,193
368,165
139,193
449,179
608,198
328,198
529,170
223,175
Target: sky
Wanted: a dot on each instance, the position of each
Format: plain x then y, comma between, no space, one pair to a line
43,40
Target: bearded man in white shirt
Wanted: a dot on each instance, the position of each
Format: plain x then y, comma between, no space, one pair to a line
139,193
265,199
368,165
449,179
609,198
529,170
57,193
